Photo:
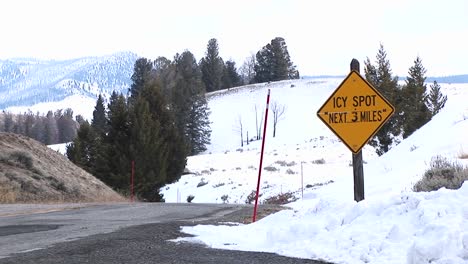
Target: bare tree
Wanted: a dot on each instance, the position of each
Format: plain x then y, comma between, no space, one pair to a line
247,69
238,128
278,111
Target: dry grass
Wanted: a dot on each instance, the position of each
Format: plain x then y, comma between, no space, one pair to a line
7,194
30,172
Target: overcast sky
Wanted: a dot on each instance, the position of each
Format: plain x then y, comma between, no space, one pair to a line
322,36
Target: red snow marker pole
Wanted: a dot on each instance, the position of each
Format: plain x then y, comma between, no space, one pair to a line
131,181
261,157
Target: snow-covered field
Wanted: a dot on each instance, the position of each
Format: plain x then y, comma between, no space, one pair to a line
392,225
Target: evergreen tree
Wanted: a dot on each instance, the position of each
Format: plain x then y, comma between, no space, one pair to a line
165,76
212,67
415,113
264,65
99,122
141,73
436,100
274,62
100,153
230,76
176,149
381,78
80,151
148,150
189,103
118,137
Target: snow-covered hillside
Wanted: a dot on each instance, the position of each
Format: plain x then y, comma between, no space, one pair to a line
392,225
24,82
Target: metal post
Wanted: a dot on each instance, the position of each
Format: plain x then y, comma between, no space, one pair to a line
358,169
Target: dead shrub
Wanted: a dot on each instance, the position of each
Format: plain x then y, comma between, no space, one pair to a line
218,185
318,161
18,158
225,198
442,173
282,198
285,163
202,183
251,197
270,168
190,198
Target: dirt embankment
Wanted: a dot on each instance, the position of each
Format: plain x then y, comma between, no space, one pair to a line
30,172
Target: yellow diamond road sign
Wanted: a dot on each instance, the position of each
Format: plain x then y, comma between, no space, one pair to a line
355,111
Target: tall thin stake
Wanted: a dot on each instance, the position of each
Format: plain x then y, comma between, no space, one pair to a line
261,157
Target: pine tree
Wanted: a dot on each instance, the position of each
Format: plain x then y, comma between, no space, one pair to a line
274,62
100,153
415,113
381,78
80,151
118,137
169,148
212,67
263,66
165,76
436,100
148,150
230,76
141,74
99,122
190,104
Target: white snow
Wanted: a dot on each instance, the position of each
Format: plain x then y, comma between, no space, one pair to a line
60,148
83,105
392,225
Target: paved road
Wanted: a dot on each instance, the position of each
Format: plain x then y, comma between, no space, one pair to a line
118,233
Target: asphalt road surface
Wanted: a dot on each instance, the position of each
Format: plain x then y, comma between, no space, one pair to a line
119,233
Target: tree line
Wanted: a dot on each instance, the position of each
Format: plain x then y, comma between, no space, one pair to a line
414,103
53,128
271,63
162,120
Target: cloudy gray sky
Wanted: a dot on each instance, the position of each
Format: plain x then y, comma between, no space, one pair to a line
322,36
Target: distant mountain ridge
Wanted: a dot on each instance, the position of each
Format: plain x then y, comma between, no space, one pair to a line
25,82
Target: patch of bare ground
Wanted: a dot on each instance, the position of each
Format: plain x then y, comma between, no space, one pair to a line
30,172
